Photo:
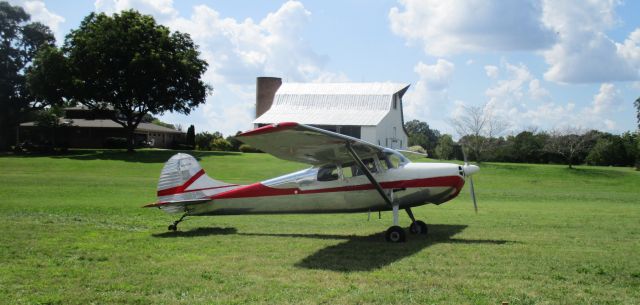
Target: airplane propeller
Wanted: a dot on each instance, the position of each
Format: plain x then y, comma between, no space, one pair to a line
469,170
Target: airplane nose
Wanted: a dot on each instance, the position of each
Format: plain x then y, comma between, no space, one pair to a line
470,169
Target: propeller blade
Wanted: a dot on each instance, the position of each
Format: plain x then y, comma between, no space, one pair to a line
468,171
473,195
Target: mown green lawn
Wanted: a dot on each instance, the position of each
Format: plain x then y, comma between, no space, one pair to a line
73,232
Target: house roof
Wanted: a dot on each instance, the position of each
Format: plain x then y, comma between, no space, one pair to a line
83,123
332,103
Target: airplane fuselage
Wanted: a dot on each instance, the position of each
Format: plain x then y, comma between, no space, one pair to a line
410,185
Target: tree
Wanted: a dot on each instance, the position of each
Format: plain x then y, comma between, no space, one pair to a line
631,142
220,144
163,124
419,133
204,139
568,143
444,150
129,64
477,125
191,137
20,40
528,146
608,150
50,120
235,143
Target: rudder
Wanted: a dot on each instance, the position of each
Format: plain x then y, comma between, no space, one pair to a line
182,178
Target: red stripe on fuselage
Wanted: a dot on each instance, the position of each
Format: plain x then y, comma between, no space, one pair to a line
181,188
260,190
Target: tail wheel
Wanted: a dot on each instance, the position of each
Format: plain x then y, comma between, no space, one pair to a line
395,234
418,227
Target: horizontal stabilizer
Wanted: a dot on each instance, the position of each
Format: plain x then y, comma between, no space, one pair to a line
176,206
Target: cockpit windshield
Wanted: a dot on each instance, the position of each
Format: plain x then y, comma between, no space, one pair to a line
393,159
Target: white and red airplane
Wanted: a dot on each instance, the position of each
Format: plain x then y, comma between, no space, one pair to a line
347,175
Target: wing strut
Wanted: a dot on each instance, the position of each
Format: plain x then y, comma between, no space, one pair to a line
369,175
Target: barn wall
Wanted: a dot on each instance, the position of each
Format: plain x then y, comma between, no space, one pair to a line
385,130
369,134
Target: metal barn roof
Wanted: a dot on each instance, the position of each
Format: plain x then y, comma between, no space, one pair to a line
332,103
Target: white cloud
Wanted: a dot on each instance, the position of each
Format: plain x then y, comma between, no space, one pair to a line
237,52
160,9
510,93
522,100
584,53
607,99
39,12
447,27
429,99
492,71
537,92
571,35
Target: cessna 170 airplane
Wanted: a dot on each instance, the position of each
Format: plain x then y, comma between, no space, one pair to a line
347,175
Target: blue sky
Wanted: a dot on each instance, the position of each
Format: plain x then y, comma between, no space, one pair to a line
538,64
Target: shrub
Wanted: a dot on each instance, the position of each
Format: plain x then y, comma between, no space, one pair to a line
220,144
245,148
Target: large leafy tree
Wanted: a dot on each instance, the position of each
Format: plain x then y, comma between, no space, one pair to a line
419,133
20,40
126,63
444,150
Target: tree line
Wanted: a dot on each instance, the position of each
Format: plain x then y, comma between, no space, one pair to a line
569,146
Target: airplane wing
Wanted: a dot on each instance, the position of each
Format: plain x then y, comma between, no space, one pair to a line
307,144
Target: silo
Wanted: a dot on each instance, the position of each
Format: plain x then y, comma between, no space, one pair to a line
266,88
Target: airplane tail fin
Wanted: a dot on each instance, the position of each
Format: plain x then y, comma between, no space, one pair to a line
183,180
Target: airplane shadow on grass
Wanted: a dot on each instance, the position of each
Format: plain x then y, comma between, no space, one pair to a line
357,253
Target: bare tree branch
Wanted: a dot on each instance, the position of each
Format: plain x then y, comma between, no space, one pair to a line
476,126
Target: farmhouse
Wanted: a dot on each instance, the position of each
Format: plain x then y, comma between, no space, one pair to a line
84,128
368,111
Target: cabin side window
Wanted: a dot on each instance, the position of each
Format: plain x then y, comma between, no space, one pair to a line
351,169
370,164
385,163
328,173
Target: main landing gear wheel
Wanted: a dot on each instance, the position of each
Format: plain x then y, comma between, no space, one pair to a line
172,227
395,234
418,227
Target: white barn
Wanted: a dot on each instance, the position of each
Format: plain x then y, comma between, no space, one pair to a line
369,111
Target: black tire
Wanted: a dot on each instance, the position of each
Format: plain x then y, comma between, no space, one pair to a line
172,228
419,227
395,234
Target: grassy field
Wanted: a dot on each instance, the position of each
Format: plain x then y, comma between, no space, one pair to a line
73,232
